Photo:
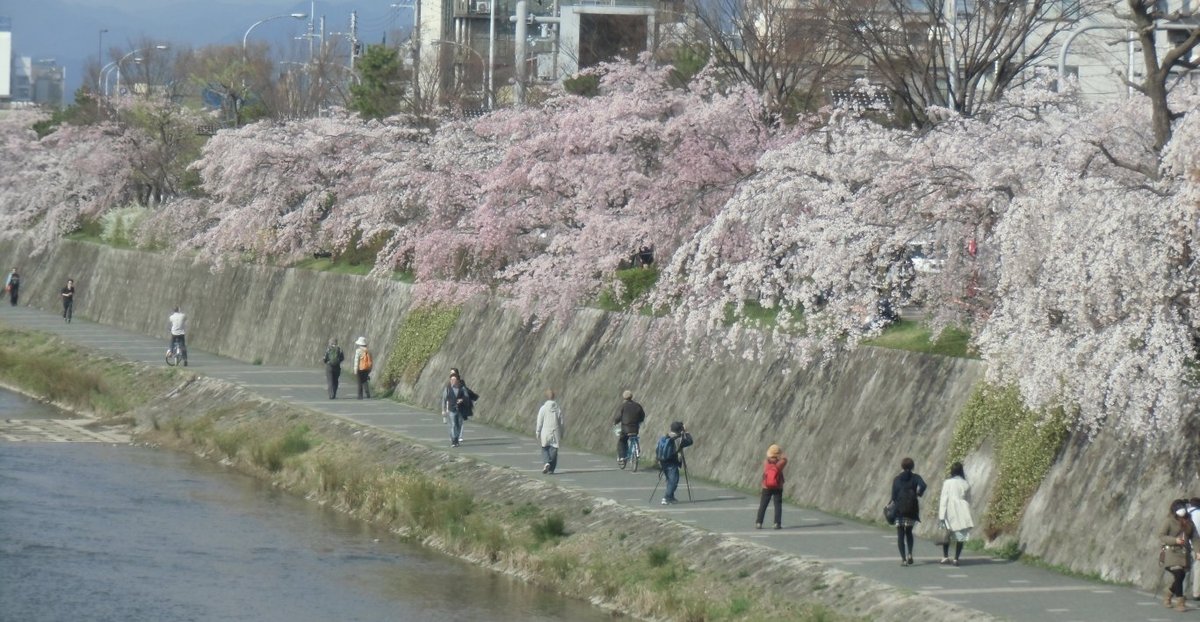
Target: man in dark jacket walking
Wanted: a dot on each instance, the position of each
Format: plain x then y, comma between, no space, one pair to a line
333,367
630,415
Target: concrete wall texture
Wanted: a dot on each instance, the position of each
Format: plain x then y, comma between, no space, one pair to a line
845,424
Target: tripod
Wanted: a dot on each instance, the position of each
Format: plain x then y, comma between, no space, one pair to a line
662,471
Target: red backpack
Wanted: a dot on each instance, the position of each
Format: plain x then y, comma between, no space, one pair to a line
772,475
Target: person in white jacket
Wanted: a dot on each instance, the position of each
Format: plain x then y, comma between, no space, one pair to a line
549,431
954,512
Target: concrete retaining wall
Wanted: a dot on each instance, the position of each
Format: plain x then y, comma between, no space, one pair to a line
845,425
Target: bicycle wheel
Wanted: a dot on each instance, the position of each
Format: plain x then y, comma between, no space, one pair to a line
171,359
635,452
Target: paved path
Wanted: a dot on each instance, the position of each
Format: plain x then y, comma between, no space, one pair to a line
1005,589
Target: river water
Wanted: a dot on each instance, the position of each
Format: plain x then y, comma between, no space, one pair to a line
97,532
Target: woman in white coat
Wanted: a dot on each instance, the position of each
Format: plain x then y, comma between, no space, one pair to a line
954,512
549,431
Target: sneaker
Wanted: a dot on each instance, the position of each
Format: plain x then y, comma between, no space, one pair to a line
778,526
671,500
956,562
545,468
903,562
665,502
910,561
758,525
945,560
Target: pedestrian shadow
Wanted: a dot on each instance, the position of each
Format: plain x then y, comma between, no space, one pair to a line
718,499
814,525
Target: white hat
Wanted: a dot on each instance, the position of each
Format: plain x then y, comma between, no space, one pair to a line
362,341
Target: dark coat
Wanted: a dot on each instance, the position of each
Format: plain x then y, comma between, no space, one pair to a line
908,478
630,416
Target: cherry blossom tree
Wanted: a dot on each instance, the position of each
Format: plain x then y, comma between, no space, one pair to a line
47,186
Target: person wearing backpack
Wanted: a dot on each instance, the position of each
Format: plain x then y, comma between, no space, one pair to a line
669,457
772,486
907,488
362,367
333,367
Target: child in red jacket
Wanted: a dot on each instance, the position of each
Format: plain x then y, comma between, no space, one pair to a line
772,486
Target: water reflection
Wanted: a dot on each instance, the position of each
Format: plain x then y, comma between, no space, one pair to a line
101,532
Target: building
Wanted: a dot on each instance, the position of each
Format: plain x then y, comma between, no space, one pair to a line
562,37
6,60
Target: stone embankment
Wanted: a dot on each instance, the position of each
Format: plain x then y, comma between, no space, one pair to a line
846,424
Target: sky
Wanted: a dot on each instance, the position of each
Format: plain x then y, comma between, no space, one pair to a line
69,30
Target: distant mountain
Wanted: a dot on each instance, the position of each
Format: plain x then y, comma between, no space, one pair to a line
69,30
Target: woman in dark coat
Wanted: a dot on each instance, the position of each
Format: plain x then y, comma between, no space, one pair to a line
907,488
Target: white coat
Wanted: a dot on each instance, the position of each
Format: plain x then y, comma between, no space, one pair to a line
954,507
549,430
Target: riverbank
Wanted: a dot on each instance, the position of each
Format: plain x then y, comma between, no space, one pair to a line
497,518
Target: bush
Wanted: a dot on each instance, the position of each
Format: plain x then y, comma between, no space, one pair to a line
118,226
420,336
1027,443
552,527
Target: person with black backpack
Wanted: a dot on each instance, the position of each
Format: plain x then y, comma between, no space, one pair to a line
907,488
669,454
333,367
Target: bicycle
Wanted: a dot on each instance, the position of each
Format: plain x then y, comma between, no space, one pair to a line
632,453
177,354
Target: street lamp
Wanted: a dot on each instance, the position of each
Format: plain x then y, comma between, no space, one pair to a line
122,60
100,46
246,37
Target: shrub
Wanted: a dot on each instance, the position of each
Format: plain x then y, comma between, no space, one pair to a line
420,336
1027,443
551,527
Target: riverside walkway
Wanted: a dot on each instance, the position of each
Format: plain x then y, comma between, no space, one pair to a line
1001,588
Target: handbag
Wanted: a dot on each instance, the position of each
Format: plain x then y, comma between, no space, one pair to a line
889,512
617,430
945,536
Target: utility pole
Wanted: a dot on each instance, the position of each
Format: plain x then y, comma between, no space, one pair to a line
311,15
519,47
353,38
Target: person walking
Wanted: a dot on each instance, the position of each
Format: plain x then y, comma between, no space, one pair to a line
1193,509
907,488
669,452
68,300
772,486
549,431
333,367
1178,539
177,322
954,512
362,367
456,407
13,286
630,417
471,394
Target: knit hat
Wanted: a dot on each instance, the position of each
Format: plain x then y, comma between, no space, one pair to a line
774,451
362,341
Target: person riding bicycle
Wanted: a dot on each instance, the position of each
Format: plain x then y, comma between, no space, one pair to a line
630,415
178,321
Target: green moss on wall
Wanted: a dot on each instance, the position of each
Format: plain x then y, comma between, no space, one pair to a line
1026,441
420,336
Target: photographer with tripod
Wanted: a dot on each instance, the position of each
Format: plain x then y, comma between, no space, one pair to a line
669,452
